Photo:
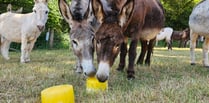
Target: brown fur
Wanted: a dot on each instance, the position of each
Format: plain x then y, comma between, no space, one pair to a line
182,36
118,22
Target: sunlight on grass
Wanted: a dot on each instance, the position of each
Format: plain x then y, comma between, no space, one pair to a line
45,69
69,62
158,55
169,79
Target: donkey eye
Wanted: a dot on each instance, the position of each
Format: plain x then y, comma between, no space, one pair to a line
117,46
34,11
92,39
46,12
98,43
75,42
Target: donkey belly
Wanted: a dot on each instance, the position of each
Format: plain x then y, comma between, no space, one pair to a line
160,37
11,34
11,30
199,19
148,34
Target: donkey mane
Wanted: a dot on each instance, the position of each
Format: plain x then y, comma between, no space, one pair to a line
85,30
111,19
77,10
111,34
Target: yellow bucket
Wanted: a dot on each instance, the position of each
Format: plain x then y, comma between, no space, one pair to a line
58,94
92,84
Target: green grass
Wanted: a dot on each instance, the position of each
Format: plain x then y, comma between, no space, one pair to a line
169,79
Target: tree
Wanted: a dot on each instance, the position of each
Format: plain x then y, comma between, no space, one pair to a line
177,12
177,15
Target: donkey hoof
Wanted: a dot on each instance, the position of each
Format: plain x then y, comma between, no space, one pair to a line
130,77
193,64
7,58
147,64
22,61
139,63
25,61
119,69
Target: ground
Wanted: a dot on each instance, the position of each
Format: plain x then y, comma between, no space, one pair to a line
169,79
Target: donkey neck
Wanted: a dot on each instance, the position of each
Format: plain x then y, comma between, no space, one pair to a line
30,22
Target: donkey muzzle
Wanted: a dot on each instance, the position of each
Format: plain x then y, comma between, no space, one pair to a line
41,28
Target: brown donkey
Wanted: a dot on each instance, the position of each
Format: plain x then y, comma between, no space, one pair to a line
120,19
182,36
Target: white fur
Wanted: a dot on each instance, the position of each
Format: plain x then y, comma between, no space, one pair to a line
22,28
166,34
88,66
199,25
103,70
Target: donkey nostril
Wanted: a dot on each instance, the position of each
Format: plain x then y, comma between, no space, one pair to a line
102,78
92,74
40,27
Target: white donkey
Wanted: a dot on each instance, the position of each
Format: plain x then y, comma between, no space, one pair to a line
166,34
199,25
23,28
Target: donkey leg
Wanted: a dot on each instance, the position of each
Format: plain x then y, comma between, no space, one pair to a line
29,48
150,51
143,52
192,47
132,56
24,50
169,45
205,52
123,53
5,44
156,43
180,43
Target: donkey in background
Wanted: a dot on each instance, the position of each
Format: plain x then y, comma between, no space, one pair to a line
165,34
83,25
9,9
182,36
22,28
199,26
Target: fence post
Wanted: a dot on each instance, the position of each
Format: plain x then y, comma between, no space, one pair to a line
51,40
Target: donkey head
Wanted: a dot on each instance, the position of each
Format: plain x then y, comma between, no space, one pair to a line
81,33
41,11
109,36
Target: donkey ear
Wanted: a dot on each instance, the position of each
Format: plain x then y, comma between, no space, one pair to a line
87,13
9,7
46,1
37,1
98,10
64,10
126,12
